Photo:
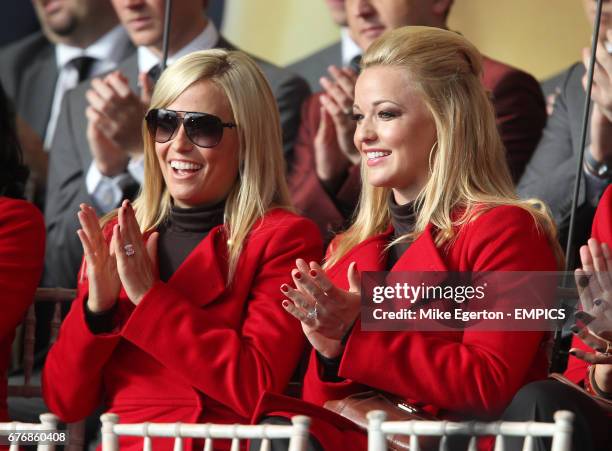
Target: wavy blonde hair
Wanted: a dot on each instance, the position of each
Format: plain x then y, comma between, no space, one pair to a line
468,169
261,184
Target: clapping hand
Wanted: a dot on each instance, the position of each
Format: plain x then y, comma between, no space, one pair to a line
125,261
601,93
135,260
326,312
114,116
100,262
594,281
333,143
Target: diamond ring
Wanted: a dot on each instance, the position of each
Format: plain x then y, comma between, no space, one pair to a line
314,313
129,250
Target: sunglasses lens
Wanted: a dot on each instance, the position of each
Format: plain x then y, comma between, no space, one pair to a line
204,130
161,124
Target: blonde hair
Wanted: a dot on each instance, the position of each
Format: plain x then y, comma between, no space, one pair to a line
468,169
261,184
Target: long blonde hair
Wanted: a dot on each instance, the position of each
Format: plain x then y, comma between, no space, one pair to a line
261,184
468,165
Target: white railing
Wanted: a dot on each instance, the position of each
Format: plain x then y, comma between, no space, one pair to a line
297,433
560,431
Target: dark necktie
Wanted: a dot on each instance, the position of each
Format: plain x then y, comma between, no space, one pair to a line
154,73
83,66
355,63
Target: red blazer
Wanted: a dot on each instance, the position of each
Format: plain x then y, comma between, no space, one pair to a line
194,349
461,374
602,231
22,250
521,115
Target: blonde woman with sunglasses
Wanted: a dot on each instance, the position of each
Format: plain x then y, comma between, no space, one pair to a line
178,315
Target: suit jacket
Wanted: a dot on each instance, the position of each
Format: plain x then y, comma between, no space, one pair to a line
71,157
455,375
194,349
550,174
315,65
519,110
551,84
22,247
602,231
28,73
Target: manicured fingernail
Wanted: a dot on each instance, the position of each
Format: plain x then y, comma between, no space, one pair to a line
598,302
285,303
572,352
313,273
285,288
602,350
298,275
583,281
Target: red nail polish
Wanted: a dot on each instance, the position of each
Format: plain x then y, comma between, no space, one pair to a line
284,288
313,273
285,303
298,275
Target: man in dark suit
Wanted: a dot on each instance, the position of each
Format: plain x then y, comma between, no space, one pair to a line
99,160
79,38
340,53
550,174
325,179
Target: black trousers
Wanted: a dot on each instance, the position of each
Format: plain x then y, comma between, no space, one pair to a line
538,401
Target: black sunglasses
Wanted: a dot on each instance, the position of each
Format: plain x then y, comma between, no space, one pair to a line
202,129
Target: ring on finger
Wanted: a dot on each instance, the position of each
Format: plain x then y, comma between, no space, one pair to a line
314,312
129,249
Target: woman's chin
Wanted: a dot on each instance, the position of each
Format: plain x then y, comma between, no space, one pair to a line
378,182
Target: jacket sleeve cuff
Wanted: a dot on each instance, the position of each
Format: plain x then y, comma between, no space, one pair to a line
318,390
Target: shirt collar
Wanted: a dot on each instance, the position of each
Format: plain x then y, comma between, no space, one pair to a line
349,48
112,46
207,39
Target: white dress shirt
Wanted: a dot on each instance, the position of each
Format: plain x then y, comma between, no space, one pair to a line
108,51
107,192
349,49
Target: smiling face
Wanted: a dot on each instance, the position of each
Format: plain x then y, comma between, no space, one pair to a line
197,176
395,131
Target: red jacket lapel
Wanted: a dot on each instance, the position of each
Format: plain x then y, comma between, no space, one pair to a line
422,255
